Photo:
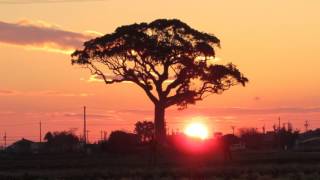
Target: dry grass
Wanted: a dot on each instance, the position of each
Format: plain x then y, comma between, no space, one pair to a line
248,166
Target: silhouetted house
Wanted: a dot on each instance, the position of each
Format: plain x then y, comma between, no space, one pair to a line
308,141
24,146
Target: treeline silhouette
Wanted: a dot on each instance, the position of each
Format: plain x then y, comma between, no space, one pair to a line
142,140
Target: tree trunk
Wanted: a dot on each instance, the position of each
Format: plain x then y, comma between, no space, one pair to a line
159,121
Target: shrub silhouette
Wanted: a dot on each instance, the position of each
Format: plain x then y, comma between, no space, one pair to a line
120,141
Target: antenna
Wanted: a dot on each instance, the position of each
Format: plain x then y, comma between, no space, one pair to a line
233,127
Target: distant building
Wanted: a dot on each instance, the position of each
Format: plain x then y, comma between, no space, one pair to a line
24,146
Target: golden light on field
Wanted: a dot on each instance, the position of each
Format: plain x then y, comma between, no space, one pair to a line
197,130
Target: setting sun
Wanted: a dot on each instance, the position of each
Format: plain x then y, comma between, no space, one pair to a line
197,130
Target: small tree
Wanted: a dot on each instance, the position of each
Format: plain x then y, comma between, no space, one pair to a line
48,137
120,141
145,130
170,61
64,141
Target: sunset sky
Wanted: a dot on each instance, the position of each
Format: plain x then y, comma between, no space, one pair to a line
276,44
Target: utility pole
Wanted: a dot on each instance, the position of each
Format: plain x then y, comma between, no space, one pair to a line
279,124
40,131
105,134
306,125
264,129
5,140
84,126
87,138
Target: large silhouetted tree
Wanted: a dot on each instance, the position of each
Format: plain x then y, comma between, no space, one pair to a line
170,61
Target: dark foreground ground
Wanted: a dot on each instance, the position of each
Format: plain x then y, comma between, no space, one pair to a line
245,165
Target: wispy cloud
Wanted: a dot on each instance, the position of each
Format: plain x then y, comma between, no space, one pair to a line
234,111
97,78
4,92
58,93
257,98
41,35
90,115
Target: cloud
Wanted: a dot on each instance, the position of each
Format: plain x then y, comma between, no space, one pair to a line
41,35
93,33
42,93
257,98
13,2
137,111
224,113
4,92
89,115
97,78
6,112
230,111
58,93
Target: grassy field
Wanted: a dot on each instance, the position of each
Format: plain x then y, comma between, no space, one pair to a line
245,165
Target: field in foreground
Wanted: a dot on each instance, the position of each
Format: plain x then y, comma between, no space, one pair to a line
251,166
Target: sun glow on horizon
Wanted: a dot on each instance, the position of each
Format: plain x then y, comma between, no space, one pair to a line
197,130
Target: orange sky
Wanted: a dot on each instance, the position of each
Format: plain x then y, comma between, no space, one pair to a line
275,43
